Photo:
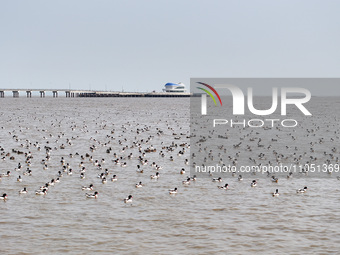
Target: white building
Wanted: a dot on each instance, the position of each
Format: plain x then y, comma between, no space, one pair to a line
174,87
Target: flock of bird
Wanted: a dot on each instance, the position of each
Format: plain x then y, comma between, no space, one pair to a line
131,145
122,152
298,151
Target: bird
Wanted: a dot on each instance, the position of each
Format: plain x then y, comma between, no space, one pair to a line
276,193
225,187
139,170
104,181
114,178
94,195
19,179
23,191
219,179
41,192
173,191
240,178
304,190
187,181
90,187
139,185
128,199
3,197
156,176
253,183
275,179
193,178
6,174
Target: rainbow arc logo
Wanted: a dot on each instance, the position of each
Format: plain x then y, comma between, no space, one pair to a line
209,93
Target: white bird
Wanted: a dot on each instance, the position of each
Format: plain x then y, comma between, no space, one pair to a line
173,191
304,190
128,199
94,195
276,193
41,192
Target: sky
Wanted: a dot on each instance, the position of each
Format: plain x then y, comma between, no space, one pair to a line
139,45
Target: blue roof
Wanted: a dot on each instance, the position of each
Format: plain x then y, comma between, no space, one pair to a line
172,84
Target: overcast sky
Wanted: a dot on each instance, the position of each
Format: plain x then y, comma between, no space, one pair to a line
140,45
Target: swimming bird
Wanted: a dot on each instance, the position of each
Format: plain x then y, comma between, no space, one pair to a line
128,199
104,181
182,171
19,179
94,195
114,178
6,174
3,197
139,185
28,172
223,187
23,191
276,193
90,187
219,179
41,192
139,170
253,183
304,190
82,176
187,181
156,176
240,178
275,179
173,191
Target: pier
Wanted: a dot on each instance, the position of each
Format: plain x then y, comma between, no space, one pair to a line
90,93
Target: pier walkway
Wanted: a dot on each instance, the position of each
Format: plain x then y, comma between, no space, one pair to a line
91,93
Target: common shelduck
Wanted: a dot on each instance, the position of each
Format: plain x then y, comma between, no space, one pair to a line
173,191
139,185
219,179
3,197
23,191
276,193
253,183
41,192
304,190
94,195
156,176
90,187
223,187
128,199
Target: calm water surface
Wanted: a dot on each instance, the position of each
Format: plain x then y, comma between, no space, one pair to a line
200,219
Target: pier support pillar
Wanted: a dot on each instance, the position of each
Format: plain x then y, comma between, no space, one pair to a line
72,94
55,93
67,93
42,93
29,93
15,93
2,93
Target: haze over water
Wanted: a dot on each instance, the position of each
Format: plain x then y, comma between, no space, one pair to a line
199,219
